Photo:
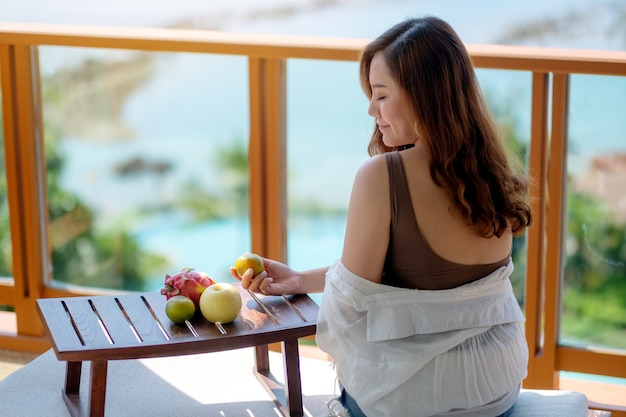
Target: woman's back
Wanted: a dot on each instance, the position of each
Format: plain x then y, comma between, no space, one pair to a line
448,234
449,245
440,223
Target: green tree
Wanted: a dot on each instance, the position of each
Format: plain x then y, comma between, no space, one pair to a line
594,295
232,199
82,254
110,259
6,263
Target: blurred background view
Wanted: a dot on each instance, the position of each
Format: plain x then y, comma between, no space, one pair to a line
147,152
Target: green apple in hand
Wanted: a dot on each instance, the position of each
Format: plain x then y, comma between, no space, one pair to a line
220,303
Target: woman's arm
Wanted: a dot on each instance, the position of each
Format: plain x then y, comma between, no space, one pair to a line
365,242
369,214
279,279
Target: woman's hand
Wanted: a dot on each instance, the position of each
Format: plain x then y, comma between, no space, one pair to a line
276,279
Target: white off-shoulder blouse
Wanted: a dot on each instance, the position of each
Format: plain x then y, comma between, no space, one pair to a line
404,352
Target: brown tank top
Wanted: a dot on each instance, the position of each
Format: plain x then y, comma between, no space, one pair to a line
410,261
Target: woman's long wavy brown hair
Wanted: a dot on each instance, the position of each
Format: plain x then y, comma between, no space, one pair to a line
430,63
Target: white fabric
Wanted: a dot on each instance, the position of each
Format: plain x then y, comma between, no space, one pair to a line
403,352
550,403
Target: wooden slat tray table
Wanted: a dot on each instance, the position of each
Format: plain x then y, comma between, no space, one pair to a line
133,326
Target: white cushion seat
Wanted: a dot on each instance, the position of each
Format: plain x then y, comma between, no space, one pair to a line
550,403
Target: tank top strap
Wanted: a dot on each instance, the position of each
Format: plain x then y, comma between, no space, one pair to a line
398,186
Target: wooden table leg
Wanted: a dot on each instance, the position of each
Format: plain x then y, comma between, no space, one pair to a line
97,388
261,359
96,394
287,396
263,373
73,371
293,383
71,391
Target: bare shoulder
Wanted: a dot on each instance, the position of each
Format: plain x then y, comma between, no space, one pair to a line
372,168
371,178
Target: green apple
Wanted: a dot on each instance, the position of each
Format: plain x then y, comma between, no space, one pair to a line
180,308
220,303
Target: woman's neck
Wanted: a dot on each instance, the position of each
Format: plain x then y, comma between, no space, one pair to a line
403,147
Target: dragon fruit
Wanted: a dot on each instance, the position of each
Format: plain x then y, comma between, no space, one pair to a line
187,282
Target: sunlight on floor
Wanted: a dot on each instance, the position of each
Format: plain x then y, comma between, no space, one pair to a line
11,361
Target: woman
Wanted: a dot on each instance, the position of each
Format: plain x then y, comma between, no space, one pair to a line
434,210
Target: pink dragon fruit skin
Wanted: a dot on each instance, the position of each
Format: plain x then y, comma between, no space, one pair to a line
187,282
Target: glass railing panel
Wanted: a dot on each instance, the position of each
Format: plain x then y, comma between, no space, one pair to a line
6,251
619,382
6,269
328,130
594,292
146,164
